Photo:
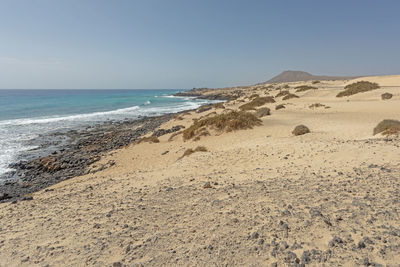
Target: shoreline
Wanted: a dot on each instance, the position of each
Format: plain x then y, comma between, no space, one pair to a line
71,157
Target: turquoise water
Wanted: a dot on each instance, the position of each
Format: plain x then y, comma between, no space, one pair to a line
25,114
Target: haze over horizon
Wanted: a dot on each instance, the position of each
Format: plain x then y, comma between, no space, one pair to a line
183,44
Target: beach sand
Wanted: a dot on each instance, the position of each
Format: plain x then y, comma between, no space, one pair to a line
256,197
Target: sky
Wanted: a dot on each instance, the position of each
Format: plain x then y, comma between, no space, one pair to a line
152,44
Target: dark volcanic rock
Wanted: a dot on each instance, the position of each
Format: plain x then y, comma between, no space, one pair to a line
161,132
211,94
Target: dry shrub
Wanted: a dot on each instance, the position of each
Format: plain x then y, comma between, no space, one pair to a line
303,88
282,93
358,87
289,96
200,149
254,96
386,96
300,130
262,112
190,151
203,132
315,82
280,106
173,135
231,121
150,139
286,86
209,114
316,105
387,127
256,102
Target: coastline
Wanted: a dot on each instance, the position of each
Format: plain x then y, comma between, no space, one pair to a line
59,156
251,196
79,149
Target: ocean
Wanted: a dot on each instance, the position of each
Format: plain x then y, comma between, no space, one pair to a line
27,114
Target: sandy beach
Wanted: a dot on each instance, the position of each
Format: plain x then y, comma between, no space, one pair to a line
255,197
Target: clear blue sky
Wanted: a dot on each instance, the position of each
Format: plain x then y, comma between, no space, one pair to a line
191,43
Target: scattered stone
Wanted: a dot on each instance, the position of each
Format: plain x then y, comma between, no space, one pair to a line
335,241
254,235
207,185
280,106
361,244
4,196
315,213
283,225
291,257
283,245
306,257
165,152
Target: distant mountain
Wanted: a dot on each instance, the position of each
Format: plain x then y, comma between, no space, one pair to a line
295,76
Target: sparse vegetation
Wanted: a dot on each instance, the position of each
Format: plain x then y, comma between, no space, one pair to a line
303,88
202,132
300,130
282,93
358,87
173,135
254,96
286,86
190,151
316,105
290,96
231,121
150,139
256,102
386,96
262,112
315,82
280,106
387,127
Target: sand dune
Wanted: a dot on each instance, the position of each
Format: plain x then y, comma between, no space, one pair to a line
256,197
388,80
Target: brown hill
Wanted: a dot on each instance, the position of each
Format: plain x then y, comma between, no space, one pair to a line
295,76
